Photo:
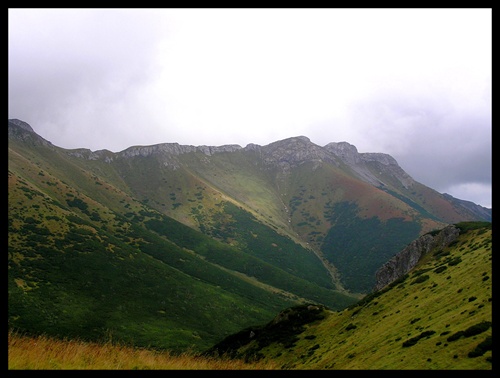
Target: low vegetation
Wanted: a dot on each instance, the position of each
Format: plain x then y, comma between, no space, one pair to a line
47,353
429,319
85,268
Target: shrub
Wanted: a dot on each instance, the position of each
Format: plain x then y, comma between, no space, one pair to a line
420,279
414,340
467,226
440,269
351,326
471,331
481,348
455,261
477,329
314,347
440,254
77,202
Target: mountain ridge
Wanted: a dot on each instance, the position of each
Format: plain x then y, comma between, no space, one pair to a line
287,153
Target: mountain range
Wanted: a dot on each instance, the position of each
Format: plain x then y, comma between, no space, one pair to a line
177,247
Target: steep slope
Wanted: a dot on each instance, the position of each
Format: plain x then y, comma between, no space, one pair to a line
437,315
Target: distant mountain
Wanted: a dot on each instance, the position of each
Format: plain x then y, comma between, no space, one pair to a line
177,246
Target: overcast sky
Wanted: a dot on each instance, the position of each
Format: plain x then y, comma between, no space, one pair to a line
412,83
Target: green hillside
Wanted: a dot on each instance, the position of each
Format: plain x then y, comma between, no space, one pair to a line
299,205
438,316
87,260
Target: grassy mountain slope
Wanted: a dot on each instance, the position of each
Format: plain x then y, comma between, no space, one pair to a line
300,191
69,277
86,259
438,316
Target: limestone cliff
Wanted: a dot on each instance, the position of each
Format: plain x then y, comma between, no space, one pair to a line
408,258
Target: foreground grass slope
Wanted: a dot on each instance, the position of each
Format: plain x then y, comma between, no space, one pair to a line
438,316
46,353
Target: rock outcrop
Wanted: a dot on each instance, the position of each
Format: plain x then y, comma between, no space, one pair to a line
360,164
292,152
408,258
22,131
23,125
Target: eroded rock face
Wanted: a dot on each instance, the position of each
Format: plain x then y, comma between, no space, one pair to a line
162,148
21,124
345,151
360,162
408,258
387,164
292,152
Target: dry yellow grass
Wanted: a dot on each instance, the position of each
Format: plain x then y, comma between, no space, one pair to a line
45,353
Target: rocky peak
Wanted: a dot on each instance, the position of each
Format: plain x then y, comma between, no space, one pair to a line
378,157
290,144
210,150
167,153
22,131
253,147
87,154
387,165
363,164
21,124
354,160
345,151
162,149
294,151
176,149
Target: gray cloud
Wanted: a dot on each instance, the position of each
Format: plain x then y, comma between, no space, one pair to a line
442,141
73,73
